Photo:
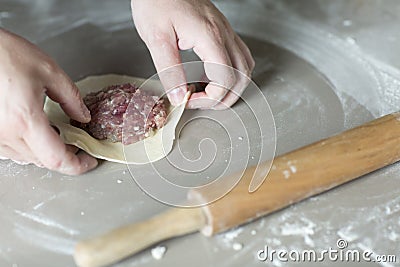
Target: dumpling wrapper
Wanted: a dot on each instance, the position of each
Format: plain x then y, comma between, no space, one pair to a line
150,149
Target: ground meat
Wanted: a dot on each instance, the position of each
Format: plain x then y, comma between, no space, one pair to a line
123,113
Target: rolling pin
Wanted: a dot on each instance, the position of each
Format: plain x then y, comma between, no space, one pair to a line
319,167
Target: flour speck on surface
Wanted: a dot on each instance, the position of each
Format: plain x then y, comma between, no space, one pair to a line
304,228
286,173
237,246
351,40
228,239
347,23
293,169
158,252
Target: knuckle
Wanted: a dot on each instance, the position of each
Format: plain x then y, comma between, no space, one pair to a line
157,38
244,70
49,67
228,29
216,92
252,64
248,71
214,31
230,80
219,93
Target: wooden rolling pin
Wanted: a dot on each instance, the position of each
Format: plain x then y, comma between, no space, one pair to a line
318,168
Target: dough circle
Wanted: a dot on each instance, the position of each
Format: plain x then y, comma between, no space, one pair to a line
150,149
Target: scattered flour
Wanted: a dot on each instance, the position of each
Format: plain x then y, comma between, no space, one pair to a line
158,252
293,168
40,219
393,236
286,173
237,246
347,233
231,235
228,239
298,228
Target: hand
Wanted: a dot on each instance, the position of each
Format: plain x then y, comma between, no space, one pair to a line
167,26
26,76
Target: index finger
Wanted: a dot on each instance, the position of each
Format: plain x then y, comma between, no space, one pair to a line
49,149
218,68
61,89
164,51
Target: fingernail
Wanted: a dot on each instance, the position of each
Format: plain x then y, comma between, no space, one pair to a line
193,106
196,105
177,95
90,161
87,163
93,163
85,111
201,103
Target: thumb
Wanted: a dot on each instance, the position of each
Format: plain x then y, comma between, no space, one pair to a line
62,90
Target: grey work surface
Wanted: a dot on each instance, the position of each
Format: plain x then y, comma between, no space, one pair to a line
323,66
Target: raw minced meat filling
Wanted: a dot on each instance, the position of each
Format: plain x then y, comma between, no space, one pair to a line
123,113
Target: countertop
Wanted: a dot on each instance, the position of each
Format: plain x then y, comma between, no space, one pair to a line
323,66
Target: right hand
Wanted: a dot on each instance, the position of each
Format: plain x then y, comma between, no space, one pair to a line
171,25
26,76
